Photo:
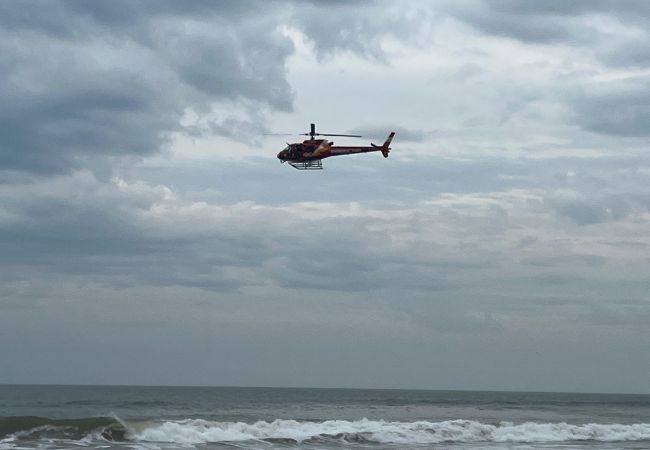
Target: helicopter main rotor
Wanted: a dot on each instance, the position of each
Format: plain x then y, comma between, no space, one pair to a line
312,133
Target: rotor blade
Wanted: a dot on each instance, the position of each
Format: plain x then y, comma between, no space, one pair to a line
327,134
279,134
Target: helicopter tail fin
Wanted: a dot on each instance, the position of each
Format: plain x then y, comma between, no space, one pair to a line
385,149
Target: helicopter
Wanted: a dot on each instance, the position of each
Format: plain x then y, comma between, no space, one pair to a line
309,154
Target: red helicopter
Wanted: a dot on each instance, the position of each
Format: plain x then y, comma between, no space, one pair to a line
309,154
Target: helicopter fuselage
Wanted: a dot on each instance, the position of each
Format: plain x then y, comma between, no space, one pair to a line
316,149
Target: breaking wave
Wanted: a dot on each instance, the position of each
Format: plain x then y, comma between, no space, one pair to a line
197,431
32,427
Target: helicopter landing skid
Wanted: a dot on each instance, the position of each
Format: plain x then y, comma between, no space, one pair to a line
308,165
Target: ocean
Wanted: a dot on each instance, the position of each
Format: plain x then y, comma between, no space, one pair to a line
152,418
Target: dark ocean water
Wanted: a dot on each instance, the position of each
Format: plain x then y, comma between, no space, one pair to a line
149,418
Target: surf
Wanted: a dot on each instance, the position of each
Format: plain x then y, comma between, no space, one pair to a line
15,428
196,431
199,431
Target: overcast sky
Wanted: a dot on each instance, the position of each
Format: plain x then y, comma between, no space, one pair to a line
149,235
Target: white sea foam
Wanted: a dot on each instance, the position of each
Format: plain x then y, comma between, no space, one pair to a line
196,431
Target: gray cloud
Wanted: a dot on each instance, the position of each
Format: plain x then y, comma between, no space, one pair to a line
589,211
620,108
609,34
139,258
119,78
86,80
379,133
547,22
522,223
358,26
504,21
135,233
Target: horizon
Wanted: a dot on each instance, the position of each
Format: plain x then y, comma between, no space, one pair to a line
328,388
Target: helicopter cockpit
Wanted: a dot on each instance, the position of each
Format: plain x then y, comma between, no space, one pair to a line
284,153
291,152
